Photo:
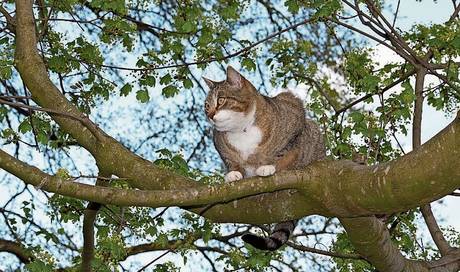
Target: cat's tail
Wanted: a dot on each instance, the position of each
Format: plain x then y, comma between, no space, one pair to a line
278,237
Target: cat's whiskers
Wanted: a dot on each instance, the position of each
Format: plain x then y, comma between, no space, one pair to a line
280,138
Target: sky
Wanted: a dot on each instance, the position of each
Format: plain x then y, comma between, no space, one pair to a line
411,12
427,12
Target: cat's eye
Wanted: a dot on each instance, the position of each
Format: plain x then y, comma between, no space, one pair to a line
221,101
206,106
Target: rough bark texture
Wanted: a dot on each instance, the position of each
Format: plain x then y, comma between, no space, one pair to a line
372,240
17,249
89,217
329,188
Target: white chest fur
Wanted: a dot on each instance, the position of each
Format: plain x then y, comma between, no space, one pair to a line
245,141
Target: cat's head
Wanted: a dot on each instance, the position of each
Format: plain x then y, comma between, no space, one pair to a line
230,104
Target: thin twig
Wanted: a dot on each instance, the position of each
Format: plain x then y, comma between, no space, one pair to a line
324,252
213,59
10,22
154,260
84,120
435,231
388,87
396,13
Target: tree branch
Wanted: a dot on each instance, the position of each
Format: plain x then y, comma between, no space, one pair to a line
17,249
324,252
10,22
106,150
213,59
83,119
435,231
428,216
372,240
381,91
89,216
329,188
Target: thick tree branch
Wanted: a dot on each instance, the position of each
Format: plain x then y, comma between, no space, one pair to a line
10,22
330,188
372,240
153,198
324,252
106,150
17,249
435,231
89,217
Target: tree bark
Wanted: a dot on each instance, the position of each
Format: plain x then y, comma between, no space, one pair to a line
372,240
329,188
17,249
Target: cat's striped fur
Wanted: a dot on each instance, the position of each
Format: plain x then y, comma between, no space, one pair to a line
258,135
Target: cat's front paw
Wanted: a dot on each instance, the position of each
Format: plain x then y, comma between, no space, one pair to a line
233,176
265,170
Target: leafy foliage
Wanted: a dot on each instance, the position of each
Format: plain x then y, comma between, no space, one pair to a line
134,68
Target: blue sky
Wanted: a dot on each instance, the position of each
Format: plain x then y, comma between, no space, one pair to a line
428,12
412,12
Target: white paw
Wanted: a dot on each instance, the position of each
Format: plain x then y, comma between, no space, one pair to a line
265,170
233,176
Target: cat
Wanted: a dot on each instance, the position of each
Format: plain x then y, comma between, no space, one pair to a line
256,135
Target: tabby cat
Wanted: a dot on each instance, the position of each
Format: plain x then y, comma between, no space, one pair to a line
257,135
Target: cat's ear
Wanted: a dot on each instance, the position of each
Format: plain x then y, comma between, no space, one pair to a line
211,84
234,78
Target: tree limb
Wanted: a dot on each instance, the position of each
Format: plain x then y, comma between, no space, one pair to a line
329,188
372,240
435,231
89,217
324,252
17,249
10,22
83,119
428,216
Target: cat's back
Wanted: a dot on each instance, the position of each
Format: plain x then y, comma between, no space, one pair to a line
287,99
284,109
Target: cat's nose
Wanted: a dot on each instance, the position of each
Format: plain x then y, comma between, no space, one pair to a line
211,114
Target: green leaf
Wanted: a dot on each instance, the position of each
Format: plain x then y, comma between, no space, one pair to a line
126,89
456,42
42,137
148,81
25,126
38,266
142,96
170,91
165,79
6,72
4,40
357,116
3,112
292,6
187,83
188,26
248,64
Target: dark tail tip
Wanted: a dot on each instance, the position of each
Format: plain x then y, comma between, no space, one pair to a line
261,242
